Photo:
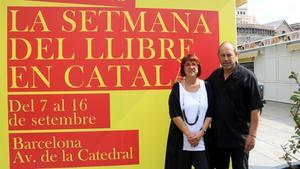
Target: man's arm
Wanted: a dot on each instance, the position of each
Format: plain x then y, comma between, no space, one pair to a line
254,121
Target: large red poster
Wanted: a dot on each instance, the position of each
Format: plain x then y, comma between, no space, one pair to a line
86,85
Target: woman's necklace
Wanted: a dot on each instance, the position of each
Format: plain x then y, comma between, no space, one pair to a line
183,110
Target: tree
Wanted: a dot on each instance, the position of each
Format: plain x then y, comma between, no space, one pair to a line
292,147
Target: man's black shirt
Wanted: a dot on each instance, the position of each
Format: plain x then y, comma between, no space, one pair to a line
235,97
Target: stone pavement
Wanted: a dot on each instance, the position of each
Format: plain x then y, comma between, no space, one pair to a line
276,127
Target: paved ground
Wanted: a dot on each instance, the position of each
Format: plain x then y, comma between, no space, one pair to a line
276,126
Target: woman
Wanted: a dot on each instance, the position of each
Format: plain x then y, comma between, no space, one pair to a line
190,108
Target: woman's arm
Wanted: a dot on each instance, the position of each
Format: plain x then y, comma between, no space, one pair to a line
199,135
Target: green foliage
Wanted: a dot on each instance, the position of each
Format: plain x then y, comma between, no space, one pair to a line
292,147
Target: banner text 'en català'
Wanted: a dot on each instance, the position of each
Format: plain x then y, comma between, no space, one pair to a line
102,49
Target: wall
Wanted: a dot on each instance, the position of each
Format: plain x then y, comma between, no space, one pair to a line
272,67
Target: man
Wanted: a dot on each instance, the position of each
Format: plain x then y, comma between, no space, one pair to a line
237,110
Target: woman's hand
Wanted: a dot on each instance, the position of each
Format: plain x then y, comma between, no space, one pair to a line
194,141
190,137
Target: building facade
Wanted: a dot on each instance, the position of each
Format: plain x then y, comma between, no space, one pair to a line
243,17
273,62
295,26
248,30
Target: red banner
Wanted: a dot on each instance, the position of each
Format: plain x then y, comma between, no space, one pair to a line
36,112
116,3
85,50
52,150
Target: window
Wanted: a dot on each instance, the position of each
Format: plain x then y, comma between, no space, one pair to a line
249,65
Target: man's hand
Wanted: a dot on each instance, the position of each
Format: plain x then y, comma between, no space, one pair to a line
250,143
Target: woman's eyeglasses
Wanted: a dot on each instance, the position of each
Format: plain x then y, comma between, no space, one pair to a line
188,64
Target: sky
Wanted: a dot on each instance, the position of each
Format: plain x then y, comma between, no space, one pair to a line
267,11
